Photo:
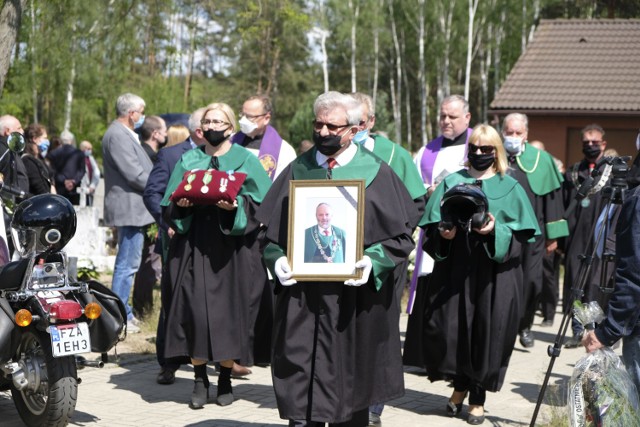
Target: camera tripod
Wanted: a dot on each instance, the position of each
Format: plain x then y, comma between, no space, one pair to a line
612,194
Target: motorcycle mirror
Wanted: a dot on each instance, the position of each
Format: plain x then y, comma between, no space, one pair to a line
16,143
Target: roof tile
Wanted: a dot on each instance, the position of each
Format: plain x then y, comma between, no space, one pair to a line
577,64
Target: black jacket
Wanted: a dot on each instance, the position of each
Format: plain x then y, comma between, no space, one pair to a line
623,311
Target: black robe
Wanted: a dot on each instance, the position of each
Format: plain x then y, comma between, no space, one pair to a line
474,295
336,348
212,264
581,239
547,208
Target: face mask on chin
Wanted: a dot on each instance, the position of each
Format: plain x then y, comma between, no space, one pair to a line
591,152
247,126
361,137
328,145
481,162
215,137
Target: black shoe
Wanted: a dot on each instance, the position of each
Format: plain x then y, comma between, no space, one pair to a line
225,399
547,323
166,376
526,338
374,419
200,394
573,342
453,409
475,420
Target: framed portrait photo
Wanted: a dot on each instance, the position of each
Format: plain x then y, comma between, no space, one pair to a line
326,229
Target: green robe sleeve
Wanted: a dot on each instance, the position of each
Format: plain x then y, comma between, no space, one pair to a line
270,255
382,265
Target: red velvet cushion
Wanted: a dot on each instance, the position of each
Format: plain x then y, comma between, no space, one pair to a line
217,185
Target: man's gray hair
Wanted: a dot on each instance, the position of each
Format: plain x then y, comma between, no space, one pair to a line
195,118
516,116
67,138
458,98
365,99
331,100
128,102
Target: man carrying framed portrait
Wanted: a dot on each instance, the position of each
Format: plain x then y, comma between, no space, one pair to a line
333,331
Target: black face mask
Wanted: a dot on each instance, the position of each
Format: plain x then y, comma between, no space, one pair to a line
591,151
327,145
215,137
481,162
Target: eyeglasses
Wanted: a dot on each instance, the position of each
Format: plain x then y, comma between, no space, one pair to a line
484,149
252,118
214,122
591,142
317,126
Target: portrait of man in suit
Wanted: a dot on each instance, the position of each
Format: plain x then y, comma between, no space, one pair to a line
324,242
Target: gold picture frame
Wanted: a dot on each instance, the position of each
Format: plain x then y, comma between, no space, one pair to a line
325,229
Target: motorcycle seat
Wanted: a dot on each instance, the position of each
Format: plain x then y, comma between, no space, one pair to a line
11,274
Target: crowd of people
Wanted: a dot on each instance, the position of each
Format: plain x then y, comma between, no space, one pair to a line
219,194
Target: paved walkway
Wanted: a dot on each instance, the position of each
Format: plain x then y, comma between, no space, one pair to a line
127,395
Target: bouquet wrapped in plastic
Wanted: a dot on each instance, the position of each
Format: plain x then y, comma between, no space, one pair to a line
601,392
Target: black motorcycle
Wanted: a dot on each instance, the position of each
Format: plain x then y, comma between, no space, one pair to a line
47,319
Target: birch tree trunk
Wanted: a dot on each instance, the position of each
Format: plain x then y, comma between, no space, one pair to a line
190,59
396,98
34,63
71,82
473,5
355,10
376,53
498,34
10,20
422,74
445,18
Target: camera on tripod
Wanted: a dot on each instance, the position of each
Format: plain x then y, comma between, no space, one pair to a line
618,171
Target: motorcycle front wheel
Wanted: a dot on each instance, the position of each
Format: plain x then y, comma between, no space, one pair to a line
50,398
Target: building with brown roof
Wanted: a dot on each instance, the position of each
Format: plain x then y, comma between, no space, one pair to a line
575,72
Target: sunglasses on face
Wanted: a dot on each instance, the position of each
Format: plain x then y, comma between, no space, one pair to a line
484,149
317,126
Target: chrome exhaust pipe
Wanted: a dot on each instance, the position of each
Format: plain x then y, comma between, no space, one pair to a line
82,362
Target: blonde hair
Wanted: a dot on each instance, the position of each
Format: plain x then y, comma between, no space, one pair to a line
489,136
176,134
227,110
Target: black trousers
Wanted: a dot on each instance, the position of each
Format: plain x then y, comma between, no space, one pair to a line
360,419
550,285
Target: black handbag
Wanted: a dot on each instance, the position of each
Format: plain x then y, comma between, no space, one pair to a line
106,330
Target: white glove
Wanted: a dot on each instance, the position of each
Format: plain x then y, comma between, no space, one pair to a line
365,264
283,271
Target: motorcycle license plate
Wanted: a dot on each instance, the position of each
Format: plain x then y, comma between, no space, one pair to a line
70,339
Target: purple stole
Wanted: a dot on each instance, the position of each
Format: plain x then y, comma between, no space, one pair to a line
269,149
427,163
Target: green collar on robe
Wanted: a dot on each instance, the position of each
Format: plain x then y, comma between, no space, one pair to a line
541,170
364,165
236,159
400,161
508,203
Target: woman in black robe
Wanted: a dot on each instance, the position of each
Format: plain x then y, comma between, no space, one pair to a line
211,262
475,290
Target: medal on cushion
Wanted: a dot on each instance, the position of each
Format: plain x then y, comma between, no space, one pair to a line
206,179
190,179
231,176
223,184
585,203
